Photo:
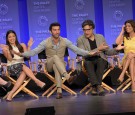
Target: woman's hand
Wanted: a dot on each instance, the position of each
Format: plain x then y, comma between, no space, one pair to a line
120,47
30,42
123,29
4,47
17,53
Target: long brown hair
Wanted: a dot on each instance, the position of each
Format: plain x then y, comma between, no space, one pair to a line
16,42
132,22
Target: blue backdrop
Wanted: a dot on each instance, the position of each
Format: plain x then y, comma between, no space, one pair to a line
31,18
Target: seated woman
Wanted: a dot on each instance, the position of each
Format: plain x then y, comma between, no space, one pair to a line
15,63
127,35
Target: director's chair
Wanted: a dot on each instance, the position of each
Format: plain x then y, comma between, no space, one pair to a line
53,88
13,80
111,66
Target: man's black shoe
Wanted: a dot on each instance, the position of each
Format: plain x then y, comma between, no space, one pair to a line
59,96
101,91
94,91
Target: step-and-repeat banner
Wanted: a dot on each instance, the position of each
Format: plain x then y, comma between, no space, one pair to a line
76,12
116,12
9,18
40,14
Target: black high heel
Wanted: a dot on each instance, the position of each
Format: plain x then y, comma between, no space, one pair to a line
119,81
43,87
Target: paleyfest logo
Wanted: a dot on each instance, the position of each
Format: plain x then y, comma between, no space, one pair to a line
3,9
118,15
42,21
79,4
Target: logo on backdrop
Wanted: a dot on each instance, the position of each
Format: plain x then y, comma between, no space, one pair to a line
118,15
3,9
79,4
42,21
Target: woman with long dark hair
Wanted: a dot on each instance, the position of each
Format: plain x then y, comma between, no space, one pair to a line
127,36
15,63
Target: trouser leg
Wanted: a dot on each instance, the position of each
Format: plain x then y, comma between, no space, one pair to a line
101,65
58,79
60,65
90,68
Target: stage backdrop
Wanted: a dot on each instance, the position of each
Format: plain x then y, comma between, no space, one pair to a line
115,13
31,18
9,18
76,12
40,14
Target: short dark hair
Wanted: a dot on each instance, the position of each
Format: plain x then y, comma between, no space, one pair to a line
88,22
53,24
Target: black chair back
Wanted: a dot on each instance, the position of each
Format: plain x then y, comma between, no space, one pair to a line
3,58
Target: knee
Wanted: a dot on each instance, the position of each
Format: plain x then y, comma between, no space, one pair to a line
55,57
130,55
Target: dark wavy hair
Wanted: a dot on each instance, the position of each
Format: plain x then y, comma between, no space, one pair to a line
16,42
132,22
88,22
53,24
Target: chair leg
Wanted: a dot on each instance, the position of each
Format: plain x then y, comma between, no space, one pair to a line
68,89
108,87
51,92
106,73
128,85
123,84
48,90
87,86
88,91
25,90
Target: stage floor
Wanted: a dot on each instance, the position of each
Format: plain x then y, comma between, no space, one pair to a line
72,105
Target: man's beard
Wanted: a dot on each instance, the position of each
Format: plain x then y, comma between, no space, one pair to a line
56,37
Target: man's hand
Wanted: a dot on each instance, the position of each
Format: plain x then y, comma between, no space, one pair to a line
120,47
103,46
94,53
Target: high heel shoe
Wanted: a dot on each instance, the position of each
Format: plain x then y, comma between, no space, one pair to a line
8,100
43,87
5,97
120,81
133,88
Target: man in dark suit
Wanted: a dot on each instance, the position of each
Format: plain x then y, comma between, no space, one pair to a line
96,63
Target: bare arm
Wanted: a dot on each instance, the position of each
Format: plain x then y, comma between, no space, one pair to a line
30,43
119,39
6,52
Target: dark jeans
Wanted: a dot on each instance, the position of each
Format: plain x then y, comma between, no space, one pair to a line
95,69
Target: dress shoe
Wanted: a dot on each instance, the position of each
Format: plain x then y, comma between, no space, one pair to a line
59,96
101,91
94,91
71,79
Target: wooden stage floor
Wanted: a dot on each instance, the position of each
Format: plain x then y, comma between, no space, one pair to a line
72,105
